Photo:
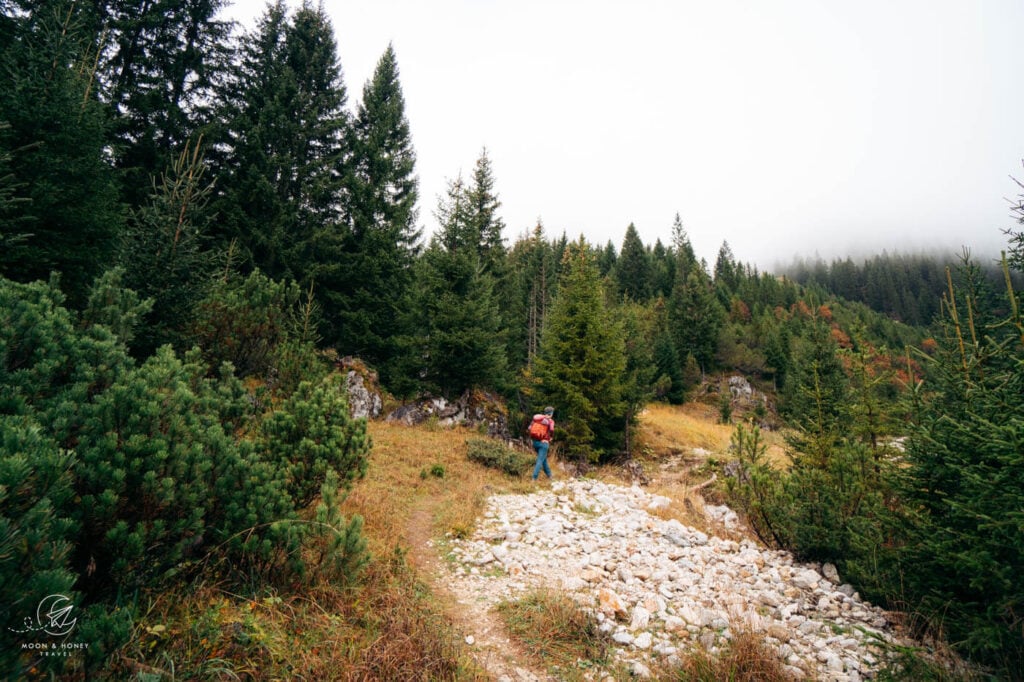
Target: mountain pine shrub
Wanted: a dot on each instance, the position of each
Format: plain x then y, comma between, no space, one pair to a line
117,477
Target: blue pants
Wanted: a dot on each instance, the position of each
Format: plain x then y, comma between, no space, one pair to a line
542,458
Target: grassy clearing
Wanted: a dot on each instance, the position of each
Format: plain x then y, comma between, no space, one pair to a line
668,430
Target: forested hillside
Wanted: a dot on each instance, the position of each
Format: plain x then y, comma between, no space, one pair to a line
906,287
197,223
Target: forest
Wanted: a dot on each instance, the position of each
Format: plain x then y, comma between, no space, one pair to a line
197,224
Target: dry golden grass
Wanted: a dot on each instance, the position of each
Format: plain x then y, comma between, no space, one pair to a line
557,632
399,483
678,429
746,659
667,430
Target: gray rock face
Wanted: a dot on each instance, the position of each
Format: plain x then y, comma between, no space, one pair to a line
473,409
658,587
363,403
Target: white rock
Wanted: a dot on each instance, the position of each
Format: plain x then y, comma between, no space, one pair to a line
640,670
641,618
623,637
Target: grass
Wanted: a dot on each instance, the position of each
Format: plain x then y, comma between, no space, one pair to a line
557,631
745,659
677,429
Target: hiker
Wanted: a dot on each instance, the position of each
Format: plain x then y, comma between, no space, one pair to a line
541,429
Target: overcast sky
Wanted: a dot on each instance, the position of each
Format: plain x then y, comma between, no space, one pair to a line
784,127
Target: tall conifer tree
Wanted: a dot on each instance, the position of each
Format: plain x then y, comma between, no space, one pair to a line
381,240
283,138
159,66
633,267
483,207
63,197
581,362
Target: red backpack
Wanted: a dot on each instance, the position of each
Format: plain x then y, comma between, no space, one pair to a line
539,427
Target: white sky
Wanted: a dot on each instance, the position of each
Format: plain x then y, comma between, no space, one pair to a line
785,127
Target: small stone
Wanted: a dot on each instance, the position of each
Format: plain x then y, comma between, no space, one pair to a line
470,640
643,641
622,637
641,618
640,670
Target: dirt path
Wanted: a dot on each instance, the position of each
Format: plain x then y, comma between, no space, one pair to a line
491,647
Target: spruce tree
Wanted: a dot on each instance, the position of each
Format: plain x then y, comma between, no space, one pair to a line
695,318
457,334
483,205
963,482
526,292
64,215
663,270
459,339
581,362
280,141
164,252
366,297
686,259
158,72
726,274
633,268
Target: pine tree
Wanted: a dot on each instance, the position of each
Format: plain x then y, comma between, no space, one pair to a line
581,361
36,536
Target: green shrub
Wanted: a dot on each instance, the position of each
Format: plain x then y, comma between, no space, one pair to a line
35,534
495,455
117,477
311,433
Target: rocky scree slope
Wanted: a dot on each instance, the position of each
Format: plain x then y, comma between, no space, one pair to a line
659,588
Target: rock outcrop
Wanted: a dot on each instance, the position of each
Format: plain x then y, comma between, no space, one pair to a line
474,409
364,394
